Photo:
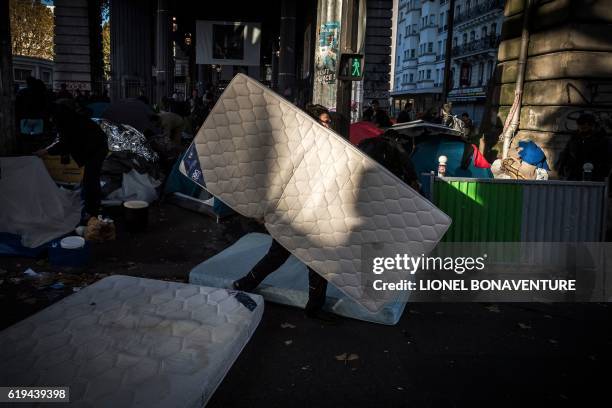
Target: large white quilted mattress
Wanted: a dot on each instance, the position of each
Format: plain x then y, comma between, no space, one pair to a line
319,196
288,285
127,342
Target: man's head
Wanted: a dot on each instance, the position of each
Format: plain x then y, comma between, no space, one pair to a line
407,106
465,115
585,123
320,113
374,104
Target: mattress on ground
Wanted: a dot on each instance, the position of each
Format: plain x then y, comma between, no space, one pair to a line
288,285
319,196
127,341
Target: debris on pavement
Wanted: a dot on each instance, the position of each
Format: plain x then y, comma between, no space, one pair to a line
346,357
31,273
524,326
493,309
288,342
287,326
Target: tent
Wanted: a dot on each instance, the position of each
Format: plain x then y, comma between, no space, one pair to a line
131,112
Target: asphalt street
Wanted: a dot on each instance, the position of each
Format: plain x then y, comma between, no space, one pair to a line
438,355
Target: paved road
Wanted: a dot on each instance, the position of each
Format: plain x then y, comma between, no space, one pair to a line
439,355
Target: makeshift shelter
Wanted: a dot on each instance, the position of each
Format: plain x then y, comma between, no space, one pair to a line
32,206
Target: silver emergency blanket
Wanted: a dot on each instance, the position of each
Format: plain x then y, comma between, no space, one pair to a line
125,138
319,196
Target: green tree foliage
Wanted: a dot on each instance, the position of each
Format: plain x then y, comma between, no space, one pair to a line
106,49
31,28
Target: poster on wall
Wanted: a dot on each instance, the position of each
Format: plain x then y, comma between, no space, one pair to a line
228,43
327,52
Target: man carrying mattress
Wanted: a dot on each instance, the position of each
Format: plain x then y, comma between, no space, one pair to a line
277,255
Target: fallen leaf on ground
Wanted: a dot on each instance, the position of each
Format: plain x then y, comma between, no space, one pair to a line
524,326
287,326
288,342
347,357
493,309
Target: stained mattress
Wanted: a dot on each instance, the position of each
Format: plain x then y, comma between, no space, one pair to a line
128,342
288,285
318,195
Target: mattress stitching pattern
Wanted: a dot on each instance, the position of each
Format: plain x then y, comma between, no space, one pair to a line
323,221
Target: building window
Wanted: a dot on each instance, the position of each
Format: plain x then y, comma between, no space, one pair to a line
472,35
494,29
490,68
430,47
413,53
46,77
465,74
464,38
441,20
22,74
407,30
484,32
432,19
480,73
411,77
429,74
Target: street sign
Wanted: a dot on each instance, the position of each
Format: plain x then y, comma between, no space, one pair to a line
350,67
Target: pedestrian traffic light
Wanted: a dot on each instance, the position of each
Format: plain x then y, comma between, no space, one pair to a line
351,67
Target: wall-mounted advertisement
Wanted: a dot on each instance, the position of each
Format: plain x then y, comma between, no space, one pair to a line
228,43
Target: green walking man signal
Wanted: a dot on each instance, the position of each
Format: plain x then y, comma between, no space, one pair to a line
350,67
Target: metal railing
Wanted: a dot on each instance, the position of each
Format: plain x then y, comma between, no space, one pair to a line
478,10
481,44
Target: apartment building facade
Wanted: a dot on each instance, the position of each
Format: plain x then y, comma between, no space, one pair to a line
422,29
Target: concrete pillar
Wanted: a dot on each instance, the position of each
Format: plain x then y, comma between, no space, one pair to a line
326,49
286,60
163,49
131,48
567,73
96,59
7,97
377,53
72,45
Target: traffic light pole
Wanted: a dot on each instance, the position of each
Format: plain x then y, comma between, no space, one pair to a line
348,44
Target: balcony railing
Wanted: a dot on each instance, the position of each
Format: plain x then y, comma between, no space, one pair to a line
478,10
482,44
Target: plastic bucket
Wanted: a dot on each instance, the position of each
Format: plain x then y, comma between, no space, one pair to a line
136,215
76,256
72,242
